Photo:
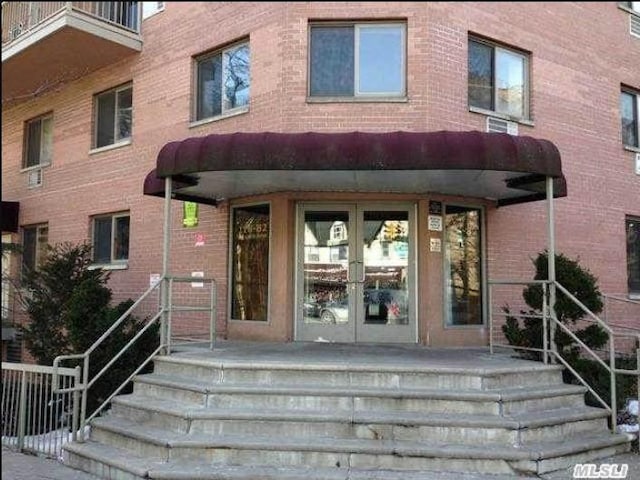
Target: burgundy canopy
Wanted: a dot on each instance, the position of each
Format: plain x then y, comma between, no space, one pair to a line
506,168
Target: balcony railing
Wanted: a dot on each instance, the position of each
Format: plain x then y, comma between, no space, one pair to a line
20,18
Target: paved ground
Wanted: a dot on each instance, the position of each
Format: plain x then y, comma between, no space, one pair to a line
19,466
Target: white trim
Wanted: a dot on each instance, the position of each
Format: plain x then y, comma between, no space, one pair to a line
229,113
151,10
224,113
96,116
109,266
114,263
113,146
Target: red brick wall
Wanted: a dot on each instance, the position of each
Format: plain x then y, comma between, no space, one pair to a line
580,55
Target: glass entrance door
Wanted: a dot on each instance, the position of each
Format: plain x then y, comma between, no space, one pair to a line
355,273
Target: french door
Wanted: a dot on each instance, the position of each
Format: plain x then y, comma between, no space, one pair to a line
356,273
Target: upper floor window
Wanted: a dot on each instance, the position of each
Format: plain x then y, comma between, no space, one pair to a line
633,254
629,115
223,81
151,8
635,6
357,60
38,142
113,116
498,79
111,238
35,240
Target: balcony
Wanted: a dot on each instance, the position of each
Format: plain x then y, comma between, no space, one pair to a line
46,44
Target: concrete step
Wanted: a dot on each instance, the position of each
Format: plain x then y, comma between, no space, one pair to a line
393,425
357,375
311,397
161,445
113,463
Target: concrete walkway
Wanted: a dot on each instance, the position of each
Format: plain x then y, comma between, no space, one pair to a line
20,466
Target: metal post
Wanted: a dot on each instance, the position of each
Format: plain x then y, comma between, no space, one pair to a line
551,265
545,324
612,372
165,263
490,319
22,410
76,405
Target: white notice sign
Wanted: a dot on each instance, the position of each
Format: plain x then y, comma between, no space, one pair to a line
435,244
435,223
197,284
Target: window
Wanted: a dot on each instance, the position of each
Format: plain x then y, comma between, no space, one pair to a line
635,6
498,79
250,262
629,114
151,8
111,238
38,142
463,265
223,81
35,240
357,60
113,116
633,254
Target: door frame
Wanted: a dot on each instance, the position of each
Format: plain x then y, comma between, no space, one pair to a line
356,315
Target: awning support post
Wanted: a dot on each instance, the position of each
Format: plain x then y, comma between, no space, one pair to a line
551,266
164,293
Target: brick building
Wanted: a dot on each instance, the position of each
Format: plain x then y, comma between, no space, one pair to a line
325,153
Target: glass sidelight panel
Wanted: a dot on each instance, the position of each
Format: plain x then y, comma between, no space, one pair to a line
326,267
250,262
463,265
385,256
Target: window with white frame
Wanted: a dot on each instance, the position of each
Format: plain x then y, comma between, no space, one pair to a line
113,116
629,117
633,255
498,79
151,8
38,141
357,60
223,81
635,6
110,235
35,241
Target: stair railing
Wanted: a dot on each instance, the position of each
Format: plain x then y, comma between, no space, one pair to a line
549,351
163,315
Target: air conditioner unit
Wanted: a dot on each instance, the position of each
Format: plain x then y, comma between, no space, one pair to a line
498,125
34,178
637,163
634,25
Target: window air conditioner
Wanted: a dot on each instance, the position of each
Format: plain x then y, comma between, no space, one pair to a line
498,125
34,178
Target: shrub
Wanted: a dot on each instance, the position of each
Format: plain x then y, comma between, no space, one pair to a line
69,306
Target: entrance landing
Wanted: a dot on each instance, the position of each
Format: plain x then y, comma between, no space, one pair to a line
342,356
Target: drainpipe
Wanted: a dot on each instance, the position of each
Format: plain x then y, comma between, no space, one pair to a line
551,266
164,293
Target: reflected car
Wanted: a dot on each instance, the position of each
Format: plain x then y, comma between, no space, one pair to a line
335,312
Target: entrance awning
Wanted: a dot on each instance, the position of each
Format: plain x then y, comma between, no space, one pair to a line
9,215
504,168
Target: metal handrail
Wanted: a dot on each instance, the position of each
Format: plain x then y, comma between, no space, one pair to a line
550,319
164,315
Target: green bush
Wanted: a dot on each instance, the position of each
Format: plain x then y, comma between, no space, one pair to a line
527,332
69,306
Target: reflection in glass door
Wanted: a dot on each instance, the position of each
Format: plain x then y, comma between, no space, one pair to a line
355,274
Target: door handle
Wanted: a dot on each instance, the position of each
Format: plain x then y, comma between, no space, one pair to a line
363,277
350,270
